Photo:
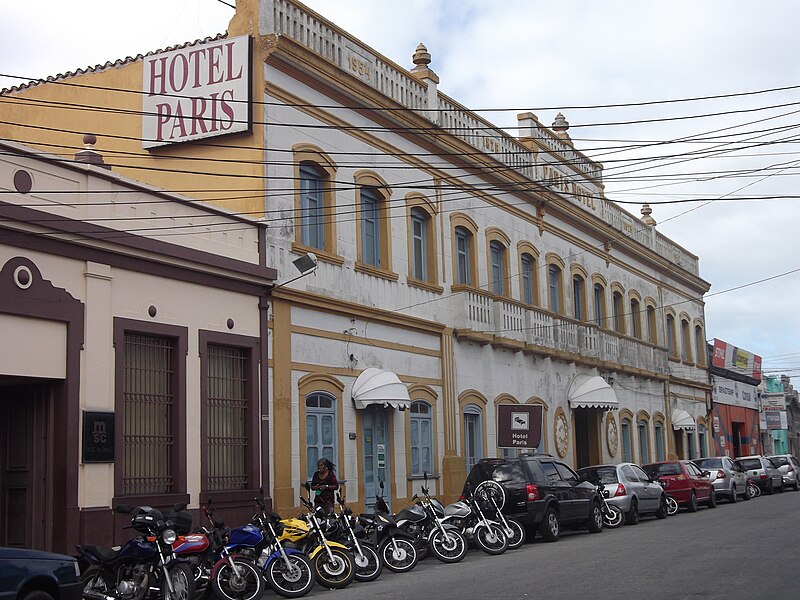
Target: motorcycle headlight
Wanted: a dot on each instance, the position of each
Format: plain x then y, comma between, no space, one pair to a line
169,536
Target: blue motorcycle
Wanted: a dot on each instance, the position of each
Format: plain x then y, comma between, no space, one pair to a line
256,548
144,566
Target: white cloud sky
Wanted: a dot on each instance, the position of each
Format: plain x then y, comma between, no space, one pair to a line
539,56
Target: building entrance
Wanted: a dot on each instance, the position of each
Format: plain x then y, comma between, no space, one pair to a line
24,466
587,436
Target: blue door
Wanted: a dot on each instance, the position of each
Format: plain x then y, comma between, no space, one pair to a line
375,444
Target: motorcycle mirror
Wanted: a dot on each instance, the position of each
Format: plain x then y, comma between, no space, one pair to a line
123,508
307,486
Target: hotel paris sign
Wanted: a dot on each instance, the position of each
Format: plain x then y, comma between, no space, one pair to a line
197,92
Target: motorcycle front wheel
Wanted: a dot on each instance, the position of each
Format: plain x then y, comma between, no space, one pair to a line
290,580
515,533
247,584
368,565
336,572
672,505
182,580
449,548
96,580
613,517
491,540
399,554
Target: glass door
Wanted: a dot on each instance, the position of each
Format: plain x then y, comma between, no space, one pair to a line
374,427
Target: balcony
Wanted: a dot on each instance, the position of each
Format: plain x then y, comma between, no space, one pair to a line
504,323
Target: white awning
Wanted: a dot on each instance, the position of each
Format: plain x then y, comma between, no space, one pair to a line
375,386
682,420
592,391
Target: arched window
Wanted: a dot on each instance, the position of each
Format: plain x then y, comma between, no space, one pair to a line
599,304
618,309
497,259
686,341
671,347
578,297
320,430
473,434
527,276
700,345
421,430
463,256
627,446
312,219
554,288
420,225
370,227
644,442
660,451
652,328
636,319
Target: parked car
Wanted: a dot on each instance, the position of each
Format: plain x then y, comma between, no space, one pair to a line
729,480
789,468
630,489
687,483
542,492
36,575
763,472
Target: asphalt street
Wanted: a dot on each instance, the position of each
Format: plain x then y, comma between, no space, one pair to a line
748,550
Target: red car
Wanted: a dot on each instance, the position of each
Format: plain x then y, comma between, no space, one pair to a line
684,481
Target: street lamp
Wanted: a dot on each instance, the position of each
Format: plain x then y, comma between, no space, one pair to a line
305,264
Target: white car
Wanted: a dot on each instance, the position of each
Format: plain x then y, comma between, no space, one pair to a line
729,480
789,468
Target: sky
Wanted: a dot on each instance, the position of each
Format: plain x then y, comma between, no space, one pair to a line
693,107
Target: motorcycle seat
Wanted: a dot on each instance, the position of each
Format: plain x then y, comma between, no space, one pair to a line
103,553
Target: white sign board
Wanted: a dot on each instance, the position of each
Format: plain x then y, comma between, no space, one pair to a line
196,92
733,393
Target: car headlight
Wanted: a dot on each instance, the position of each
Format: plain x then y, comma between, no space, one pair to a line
169,536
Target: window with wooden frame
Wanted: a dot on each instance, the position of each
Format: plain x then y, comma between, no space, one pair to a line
618,308
465,266
555,284
701,348
229,412
373,225
315,209
151,410
636,317
599,301
578,296
686,340
423,257
528,274
672,348
652,323
421,433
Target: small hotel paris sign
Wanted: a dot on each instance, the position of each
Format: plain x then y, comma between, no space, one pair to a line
519,426
197,92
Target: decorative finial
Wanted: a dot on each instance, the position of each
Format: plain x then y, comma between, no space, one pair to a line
89,154
646,212
560,126
422,58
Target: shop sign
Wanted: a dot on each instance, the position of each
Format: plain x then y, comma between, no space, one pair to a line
776,419
773,401
200,91
98,437
519,426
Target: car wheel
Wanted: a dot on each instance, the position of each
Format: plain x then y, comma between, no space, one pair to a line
734,496
692,506
661,513
37,595
632,516
595,521
796,485
712,500
770,488
550,528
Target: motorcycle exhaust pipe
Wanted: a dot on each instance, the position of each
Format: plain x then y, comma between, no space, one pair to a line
95,595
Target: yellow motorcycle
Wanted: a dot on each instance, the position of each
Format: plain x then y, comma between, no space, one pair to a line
333,565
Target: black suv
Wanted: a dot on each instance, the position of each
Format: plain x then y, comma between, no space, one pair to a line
542,492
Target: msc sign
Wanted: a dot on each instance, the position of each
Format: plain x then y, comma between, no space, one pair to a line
98,437
519,426
197,92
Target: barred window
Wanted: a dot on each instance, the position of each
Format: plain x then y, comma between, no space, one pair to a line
149,415
227,406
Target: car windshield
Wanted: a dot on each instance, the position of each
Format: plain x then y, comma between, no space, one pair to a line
599,474
660,469
779,460
750,463
709,463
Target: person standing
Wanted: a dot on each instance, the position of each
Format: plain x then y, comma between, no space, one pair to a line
324,483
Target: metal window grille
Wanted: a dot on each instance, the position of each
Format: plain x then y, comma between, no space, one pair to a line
227,418
148,430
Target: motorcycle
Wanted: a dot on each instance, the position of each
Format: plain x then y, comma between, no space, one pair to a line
256,549
332,562
753,491
346,529
672,504
424,521
495,496
200,548
470,519
396,548
613,516
144,565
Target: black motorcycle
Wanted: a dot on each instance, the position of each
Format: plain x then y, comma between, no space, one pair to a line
612,514
343,527
395,547
145,564
424,521
469,515
493,494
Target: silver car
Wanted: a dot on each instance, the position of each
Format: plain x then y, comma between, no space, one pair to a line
629,488
789,468
729,480
761,471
